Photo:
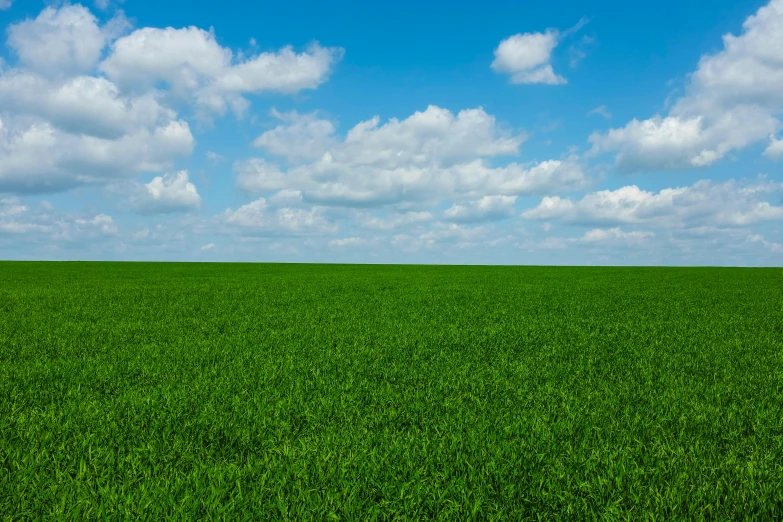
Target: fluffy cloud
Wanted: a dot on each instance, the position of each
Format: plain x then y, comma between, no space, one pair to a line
260,219
430,156
63,41
196,67
705,203
350,241
167,193
299,137
775,149
769,245
488,208
61,125
67,118
20,223
81,105
432,136
37,157
101,222
733,99
258,175
526,58
5,4
393,222
615,235
442,235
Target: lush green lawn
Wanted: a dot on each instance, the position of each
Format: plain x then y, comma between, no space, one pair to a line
311,392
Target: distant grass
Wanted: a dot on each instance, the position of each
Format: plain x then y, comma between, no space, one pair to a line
307,392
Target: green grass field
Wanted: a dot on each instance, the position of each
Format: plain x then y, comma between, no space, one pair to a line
316,392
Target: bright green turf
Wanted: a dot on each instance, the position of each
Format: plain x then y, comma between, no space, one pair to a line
306,392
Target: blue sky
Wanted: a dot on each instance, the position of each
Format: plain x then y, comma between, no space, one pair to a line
579,133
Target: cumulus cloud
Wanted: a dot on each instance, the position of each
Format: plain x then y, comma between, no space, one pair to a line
441,235
775,149
615,235
167,193
395,221
350,241
705,203
102,222
14,218
61,125
38,157
260,219
69,117
20,223
197,68
430,156
733,99
300,136
526,58
488,208
5,4
64,41
769,245
258,175
81,105
214,157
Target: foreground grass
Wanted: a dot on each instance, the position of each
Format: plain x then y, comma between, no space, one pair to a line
304,392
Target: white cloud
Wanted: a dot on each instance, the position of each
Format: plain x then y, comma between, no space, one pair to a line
250,215
431,155
257,175
349,241
602,238
199,69
141,234
549,243
615,235
81,105
488,208
63,41
214,157
102,222
5,4
21,224
14,218
775,149
705,203
526,58
769,245
600,111
679,142
256,218
440,236
208,246
37,157
733,99
286,197
167,193
395,221
61,125
299,137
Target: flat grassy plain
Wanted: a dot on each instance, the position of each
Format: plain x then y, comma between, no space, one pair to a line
333,392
